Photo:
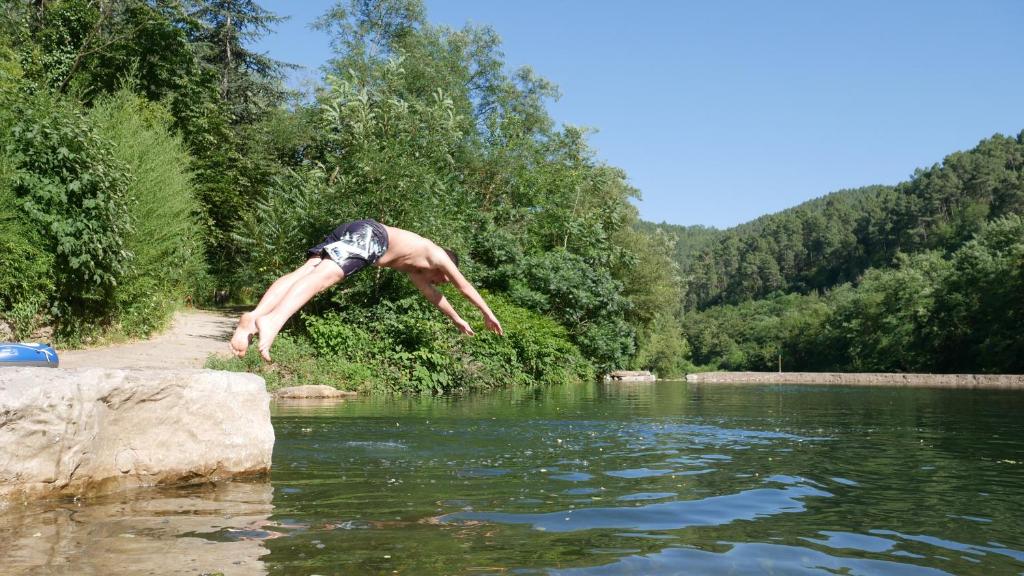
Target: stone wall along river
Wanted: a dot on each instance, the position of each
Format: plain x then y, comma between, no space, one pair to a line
985,381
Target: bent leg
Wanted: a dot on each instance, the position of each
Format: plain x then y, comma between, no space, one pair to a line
247,323
300,292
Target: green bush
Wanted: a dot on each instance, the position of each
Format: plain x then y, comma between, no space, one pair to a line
412,347
97,225
296,363
662,349
585,299
407,346
73,192
26,280
24,266
164,242
543,347
276,231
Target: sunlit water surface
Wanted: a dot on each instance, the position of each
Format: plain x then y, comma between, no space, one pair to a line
596,479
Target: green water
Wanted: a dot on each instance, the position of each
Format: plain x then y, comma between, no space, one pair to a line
597,479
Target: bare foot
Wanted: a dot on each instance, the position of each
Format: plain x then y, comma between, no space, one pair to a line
268,327
242,337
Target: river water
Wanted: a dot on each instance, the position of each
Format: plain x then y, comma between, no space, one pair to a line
667,478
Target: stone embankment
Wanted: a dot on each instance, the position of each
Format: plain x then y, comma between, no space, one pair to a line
987,381
89,431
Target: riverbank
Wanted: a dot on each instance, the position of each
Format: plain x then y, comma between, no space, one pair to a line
979,381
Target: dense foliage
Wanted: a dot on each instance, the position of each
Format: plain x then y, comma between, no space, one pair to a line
164,242
405,345
70,189
421,127
158,158
99,219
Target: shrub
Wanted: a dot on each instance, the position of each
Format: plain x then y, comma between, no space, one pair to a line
166,251
585,299
73,192
26,281
662,348
276,231
295,363
407,346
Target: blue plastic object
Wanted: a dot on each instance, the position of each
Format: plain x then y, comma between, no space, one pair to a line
27,354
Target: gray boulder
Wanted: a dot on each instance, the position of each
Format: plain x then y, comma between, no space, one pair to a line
91,431
630,376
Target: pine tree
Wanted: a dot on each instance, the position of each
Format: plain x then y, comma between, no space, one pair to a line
249,82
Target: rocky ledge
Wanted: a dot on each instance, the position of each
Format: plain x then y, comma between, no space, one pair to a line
90,431
630,376
312,392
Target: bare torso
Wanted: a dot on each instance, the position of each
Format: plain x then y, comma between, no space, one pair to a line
429,265
410,253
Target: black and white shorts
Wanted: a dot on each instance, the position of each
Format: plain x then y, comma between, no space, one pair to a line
353,245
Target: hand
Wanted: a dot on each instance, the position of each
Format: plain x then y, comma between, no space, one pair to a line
464,327
493,325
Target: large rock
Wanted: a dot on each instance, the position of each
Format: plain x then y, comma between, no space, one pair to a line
630,376
311,391
85,432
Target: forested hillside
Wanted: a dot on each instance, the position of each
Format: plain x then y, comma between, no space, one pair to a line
688,240
149,157
923,276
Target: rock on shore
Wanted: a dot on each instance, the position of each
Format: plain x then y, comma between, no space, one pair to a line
630,376
84,432
311,391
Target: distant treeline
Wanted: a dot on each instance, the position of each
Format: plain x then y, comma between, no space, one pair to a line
925,276
149,157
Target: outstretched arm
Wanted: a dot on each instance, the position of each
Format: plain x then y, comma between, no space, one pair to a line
437,299
467,289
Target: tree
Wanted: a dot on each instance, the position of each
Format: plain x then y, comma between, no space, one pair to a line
249,83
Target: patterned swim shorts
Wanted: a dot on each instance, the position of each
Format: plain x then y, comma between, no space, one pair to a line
353,246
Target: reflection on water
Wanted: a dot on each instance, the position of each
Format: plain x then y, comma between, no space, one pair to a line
186,531
757,558
710,511
596,479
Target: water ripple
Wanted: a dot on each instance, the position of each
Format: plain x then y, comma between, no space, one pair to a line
711,511
755,558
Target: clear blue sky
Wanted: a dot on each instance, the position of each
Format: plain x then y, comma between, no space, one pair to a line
720,112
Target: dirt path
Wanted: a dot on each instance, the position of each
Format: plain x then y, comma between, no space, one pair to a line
194,335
